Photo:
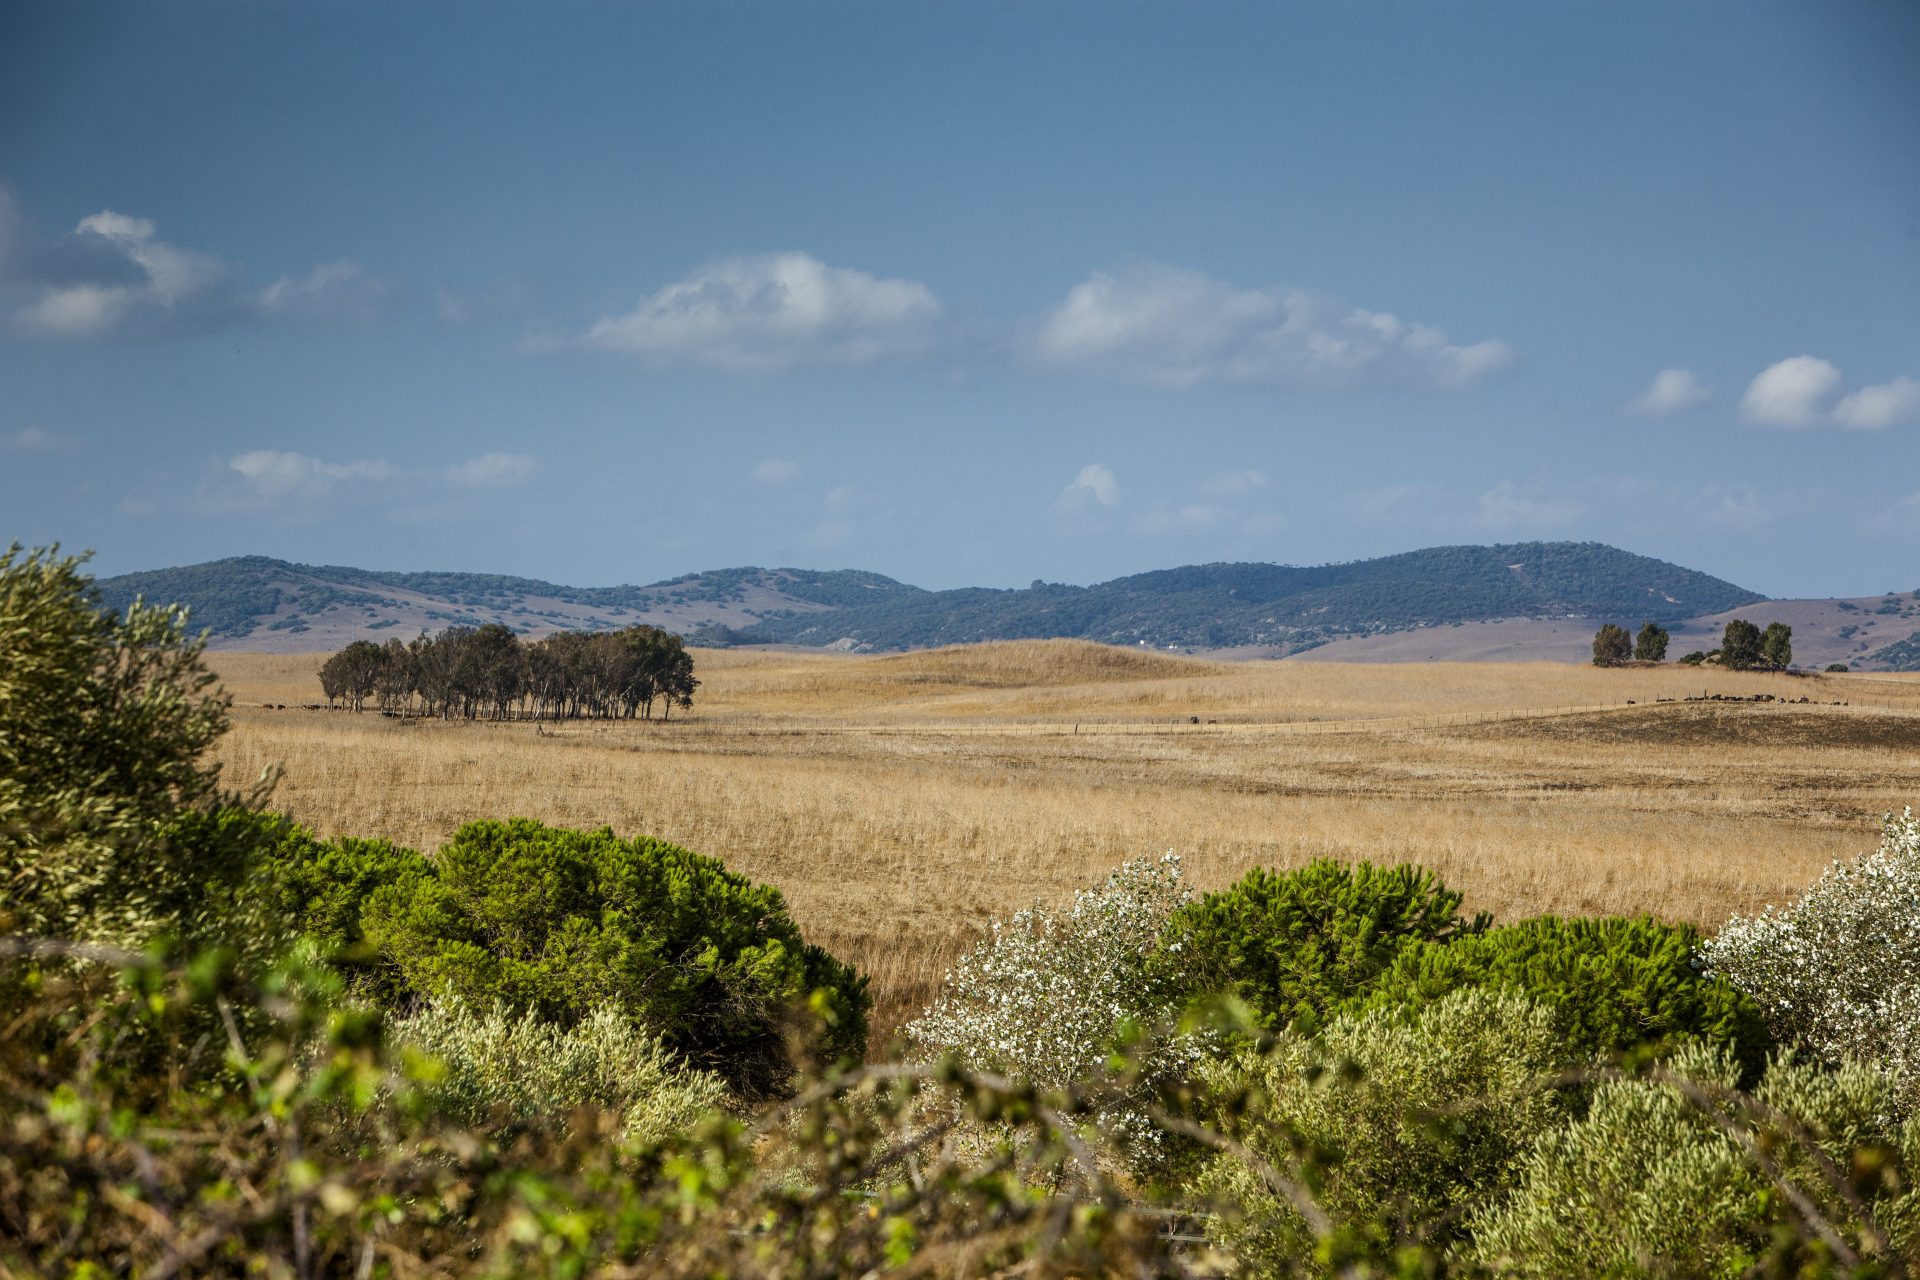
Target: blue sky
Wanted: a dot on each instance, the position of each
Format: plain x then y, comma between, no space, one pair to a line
964,293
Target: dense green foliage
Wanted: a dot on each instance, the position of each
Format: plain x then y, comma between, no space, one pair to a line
560,922
1650,643
332,1146
1619,983
1740,645
1292,945
1776,645
489,672
1611,645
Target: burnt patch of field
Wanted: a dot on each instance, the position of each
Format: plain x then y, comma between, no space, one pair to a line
1759,724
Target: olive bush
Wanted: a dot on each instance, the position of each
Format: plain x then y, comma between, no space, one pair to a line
510,1072
1399,1126
1838,972
1682,1175
104,726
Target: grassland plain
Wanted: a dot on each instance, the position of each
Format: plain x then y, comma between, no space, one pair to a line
901,802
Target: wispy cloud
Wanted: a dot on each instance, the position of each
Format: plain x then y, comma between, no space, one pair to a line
1193,517
262,477
1507,506
776,471
114,274
1095,486
1806,391
773,312
331,291
1673,390
1878,407
34,440
1397,501
1164,325
492,471
298,485
1233,484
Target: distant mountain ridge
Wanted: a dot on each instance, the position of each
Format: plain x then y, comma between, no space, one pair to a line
1218,606
258,602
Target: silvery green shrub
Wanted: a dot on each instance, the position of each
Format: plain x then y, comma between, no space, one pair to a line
1048,994
1838,972
1397,1124
514,1071
1663,1180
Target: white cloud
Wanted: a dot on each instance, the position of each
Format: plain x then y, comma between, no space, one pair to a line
155,279
774,312
492,471
273,471
1791,393
34,440
776,471
1232,484
1173,327
113,273
1878,407
1672,391
332,290
1805,391
1095,485
267,477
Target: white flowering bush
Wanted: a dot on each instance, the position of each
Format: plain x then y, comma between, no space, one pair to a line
1838,972
1046,996
504,1070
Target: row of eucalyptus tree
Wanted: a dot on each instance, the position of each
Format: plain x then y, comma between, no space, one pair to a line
490,673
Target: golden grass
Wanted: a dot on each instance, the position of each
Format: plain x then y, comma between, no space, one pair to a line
900,802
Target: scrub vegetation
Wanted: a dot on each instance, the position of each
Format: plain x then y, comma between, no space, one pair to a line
248,1042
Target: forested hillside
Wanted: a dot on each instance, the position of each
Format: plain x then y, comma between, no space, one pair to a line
254,601
1223,605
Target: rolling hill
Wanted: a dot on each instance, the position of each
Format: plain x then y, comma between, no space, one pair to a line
1526,590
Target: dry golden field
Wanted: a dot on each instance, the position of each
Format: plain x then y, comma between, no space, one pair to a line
901,802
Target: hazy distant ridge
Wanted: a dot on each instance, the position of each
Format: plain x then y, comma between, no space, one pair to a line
257,600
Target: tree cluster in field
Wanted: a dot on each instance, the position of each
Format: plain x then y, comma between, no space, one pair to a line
236,1050
1743,647
490,673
